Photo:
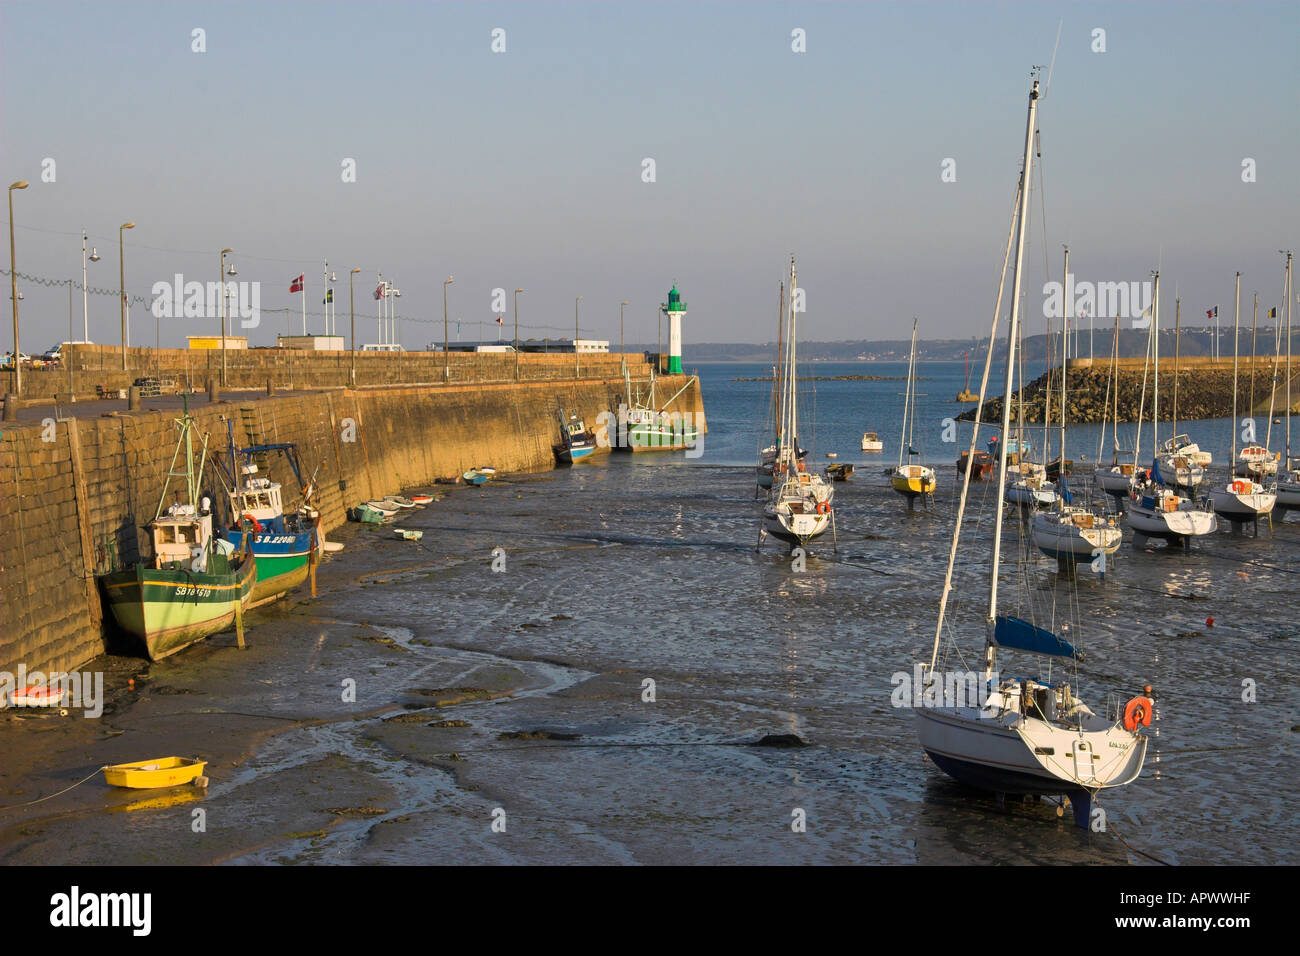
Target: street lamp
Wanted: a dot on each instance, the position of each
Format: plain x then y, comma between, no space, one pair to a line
575,336
121,275
85,296
13,288
446,356
222,305
620,324
517,291
352,311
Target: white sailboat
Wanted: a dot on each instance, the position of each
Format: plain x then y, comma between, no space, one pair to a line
799,507
1156,510
1069,532
1024,736
911,480
1243,499
1119,478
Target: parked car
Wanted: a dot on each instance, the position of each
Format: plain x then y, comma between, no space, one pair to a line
9,359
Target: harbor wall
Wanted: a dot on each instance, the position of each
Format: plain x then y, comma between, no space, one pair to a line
86,369
71,490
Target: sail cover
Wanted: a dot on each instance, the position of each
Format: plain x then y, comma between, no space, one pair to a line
1023,636
1063,487
1155,472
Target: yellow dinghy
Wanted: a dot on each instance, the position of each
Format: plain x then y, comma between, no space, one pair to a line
150,774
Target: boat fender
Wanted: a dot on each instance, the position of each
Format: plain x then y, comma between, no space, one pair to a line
801,465
1138,710
823,507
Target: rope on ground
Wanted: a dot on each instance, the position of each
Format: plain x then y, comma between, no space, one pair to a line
15,806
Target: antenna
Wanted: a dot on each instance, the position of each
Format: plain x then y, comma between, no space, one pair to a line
1051,67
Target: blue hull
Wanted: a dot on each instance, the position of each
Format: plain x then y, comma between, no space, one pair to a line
1009,781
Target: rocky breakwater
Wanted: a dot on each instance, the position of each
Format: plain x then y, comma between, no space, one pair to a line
1201,393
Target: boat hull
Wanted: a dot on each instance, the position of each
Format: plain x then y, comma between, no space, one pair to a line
794,528
1175,526
167,611
1066,542
282,562
1242,506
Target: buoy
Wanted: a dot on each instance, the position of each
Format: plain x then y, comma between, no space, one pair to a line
1209,622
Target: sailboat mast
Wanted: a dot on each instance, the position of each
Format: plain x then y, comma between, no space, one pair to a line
792,411
1065,328
1290,294
1012,330
1178,321
1236,322
1155,348
907,396
778,371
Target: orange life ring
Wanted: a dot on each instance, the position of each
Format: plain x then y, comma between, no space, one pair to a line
823,507
1138,710
257,525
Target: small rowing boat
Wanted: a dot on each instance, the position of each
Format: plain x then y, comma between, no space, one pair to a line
150,774
408,535
400,501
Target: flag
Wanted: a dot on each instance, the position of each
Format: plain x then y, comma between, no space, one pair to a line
296,285
499,318
1272,313
381,291
329,297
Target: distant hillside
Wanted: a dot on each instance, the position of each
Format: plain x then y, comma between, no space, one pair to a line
1132,343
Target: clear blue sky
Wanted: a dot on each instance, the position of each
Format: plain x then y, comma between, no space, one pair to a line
524,168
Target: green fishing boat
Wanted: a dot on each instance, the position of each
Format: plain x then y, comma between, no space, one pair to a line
195,583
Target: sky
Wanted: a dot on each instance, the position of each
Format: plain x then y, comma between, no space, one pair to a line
525,168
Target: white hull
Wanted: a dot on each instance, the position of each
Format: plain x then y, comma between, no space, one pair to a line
1189,523
1288,494
1018,493
1058,537
797,528
1113,481
1242,506
1004,751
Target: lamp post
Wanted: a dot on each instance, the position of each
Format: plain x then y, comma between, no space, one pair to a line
13,288
352,311
446,356
222,306
621,306
517,291
121,275
576,370
85,296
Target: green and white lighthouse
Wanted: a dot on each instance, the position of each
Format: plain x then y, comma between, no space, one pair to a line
674,308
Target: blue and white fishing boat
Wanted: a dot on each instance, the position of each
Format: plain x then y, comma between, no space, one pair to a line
282,543
474,477
576,443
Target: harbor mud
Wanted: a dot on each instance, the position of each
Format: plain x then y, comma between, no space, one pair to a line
633,687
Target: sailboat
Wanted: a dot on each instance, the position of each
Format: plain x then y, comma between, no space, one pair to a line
1029,487
1243,499
1182,446
196,582
1155,510
1288,484
912,481
1070,532
799,506
1023,736
1182,463
1119,479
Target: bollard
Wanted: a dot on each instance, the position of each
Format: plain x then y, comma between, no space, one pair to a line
133,399
11,407
270,388
214,393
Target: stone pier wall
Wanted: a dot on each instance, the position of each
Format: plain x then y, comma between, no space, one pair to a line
71,489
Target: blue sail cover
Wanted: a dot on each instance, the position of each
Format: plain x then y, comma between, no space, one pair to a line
1064,489
1155,472
1023,636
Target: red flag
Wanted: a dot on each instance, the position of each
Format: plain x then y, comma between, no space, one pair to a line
1209,313
499,318
296,285
381,291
